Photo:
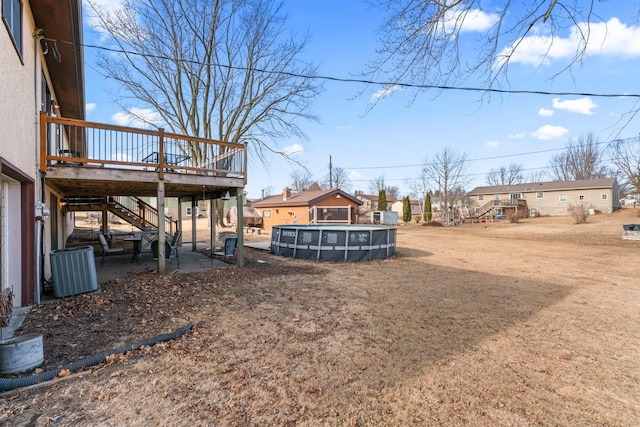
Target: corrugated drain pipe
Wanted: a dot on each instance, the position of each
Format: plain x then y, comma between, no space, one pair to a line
8,384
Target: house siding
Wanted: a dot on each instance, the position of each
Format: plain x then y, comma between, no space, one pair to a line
17,103
21,88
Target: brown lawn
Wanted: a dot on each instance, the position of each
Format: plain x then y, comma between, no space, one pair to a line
481,324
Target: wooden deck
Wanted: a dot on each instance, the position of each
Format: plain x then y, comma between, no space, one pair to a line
81,158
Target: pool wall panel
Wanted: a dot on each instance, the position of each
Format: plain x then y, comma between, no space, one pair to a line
333,243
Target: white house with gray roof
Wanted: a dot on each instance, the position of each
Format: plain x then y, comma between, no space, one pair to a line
545,198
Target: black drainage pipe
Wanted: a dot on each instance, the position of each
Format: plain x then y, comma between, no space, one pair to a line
8,384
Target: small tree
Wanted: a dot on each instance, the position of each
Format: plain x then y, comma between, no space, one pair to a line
579,211
382,200
406,209
427,214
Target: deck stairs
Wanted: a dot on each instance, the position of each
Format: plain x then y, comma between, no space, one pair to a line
133,210
484,210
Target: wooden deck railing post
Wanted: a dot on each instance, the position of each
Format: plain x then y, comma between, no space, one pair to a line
161,153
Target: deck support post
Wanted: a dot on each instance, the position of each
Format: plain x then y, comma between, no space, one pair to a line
161,231
240,209
194,231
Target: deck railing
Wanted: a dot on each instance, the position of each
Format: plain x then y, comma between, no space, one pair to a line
66,142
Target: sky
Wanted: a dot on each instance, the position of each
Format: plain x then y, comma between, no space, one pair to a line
397,136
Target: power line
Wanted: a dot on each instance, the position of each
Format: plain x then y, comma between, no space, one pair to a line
550,150
359,81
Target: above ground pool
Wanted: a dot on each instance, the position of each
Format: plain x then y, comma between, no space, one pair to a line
343,243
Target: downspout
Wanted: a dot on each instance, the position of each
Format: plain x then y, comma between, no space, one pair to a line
38,33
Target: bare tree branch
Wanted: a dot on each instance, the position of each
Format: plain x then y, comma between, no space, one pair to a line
199,64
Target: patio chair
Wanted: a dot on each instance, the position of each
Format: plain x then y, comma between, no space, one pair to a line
230,244
106,250
170,249
146,239
174,247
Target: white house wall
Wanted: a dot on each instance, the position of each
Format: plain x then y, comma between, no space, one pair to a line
17,86
20,103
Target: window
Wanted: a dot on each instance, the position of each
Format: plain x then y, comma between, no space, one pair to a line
581,197
540,195
188,211
496,196
515,196
481,197
563,198
12,17
604,196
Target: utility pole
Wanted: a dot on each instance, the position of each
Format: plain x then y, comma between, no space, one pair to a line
330,174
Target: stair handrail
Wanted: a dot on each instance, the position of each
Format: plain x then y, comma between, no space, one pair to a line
147,213
303,214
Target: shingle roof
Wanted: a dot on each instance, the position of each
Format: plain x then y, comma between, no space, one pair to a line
301,198
374,197
545,186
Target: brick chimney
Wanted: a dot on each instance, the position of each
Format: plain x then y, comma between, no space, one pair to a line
286,194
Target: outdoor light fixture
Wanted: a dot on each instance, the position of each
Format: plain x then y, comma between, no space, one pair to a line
226,196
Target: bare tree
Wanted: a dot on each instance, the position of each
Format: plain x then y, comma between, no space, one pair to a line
339,178
447,170
537,175
419,187
581,159
218,69
421,39
377,184
301,180
625,154
506,175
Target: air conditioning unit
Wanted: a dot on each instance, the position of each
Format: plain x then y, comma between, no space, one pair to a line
73,271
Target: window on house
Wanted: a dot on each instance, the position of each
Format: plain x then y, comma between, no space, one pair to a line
12,18
189,212
481,197
563,198
540,195
496,196
604,196
516,196
581,197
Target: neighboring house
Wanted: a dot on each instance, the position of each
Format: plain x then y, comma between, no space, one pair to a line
398,206
370,203
53,163
545,198
306,207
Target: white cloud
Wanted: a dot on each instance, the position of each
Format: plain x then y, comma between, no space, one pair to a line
611,39
90,106
517,135
354,175
545,113
582,105
138,117
492,144
382,93
549,132
293,149
474,20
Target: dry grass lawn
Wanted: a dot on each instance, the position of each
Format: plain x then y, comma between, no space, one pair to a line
504,324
